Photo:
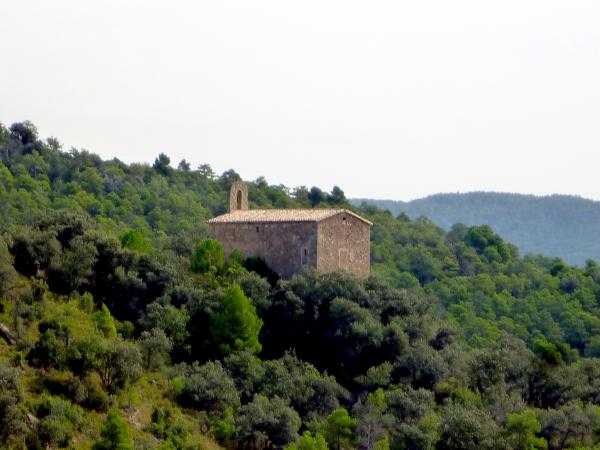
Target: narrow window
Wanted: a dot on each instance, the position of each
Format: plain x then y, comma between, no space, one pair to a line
239,200
304,257
257,229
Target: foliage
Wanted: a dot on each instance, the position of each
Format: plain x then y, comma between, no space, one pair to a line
114,434
59,420
209,388
338,429
208,256
309,442
235,325
104,322
267,423
522,428
12,419
455,341
165,425
155,347
560,225
134,240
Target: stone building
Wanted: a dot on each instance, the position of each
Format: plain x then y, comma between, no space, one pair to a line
291,240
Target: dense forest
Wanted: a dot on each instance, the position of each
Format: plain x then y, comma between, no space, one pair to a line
557,225
125,327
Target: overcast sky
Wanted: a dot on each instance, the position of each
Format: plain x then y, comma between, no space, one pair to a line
396,99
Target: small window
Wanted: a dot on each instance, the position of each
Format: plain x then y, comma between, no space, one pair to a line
304,257
257,229
239,200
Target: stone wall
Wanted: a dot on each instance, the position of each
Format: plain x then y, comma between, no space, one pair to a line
344,243
238,196
287,247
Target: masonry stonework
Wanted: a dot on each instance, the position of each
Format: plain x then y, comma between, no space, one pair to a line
292,240
344,243
238,196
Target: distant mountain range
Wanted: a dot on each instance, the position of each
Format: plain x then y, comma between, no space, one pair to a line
555,225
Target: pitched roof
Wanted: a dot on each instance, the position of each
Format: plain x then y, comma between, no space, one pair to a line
282,215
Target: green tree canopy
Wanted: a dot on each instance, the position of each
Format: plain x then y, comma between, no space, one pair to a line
208,256
235,325
114,434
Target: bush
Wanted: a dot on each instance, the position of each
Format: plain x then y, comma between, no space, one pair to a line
267,420
12,419
209,388
236,325
114,434
134,240
209,256
59,420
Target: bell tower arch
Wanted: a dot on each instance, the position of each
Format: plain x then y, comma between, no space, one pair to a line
238,197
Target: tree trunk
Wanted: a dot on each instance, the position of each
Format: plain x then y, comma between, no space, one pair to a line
6,335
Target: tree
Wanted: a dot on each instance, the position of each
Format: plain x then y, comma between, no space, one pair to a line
422,366
337,196
209,388
229,176
119,363
104,322
236,326
155,347
338,429
300,194
521,430
205,171
134,240
166,425
12,418
315,196
267,423
209,256
183,166
162,165
309,442
569,426
59,421
465,428
114,434
173,321
76,265
26,132
373,419
8,275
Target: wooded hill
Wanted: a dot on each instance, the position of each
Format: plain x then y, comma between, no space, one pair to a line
133,330
556,225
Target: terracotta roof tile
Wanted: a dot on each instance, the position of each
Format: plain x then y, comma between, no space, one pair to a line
282,215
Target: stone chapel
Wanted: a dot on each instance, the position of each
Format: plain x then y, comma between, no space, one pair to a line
291,240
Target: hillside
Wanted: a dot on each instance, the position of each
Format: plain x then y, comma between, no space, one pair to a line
130,329
557,225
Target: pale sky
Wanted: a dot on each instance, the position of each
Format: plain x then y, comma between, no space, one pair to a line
387,99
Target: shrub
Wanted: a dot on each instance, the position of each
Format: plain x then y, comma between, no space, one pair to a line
209,256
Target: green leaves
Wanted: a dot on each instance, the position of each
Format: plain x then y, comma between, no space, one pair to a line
208,257
338,429
134,240
309,442
521,430
209,388
114,434
236,326
105,322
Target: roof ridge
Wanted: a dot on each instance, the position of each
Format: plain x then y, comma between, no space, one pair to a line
285,215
